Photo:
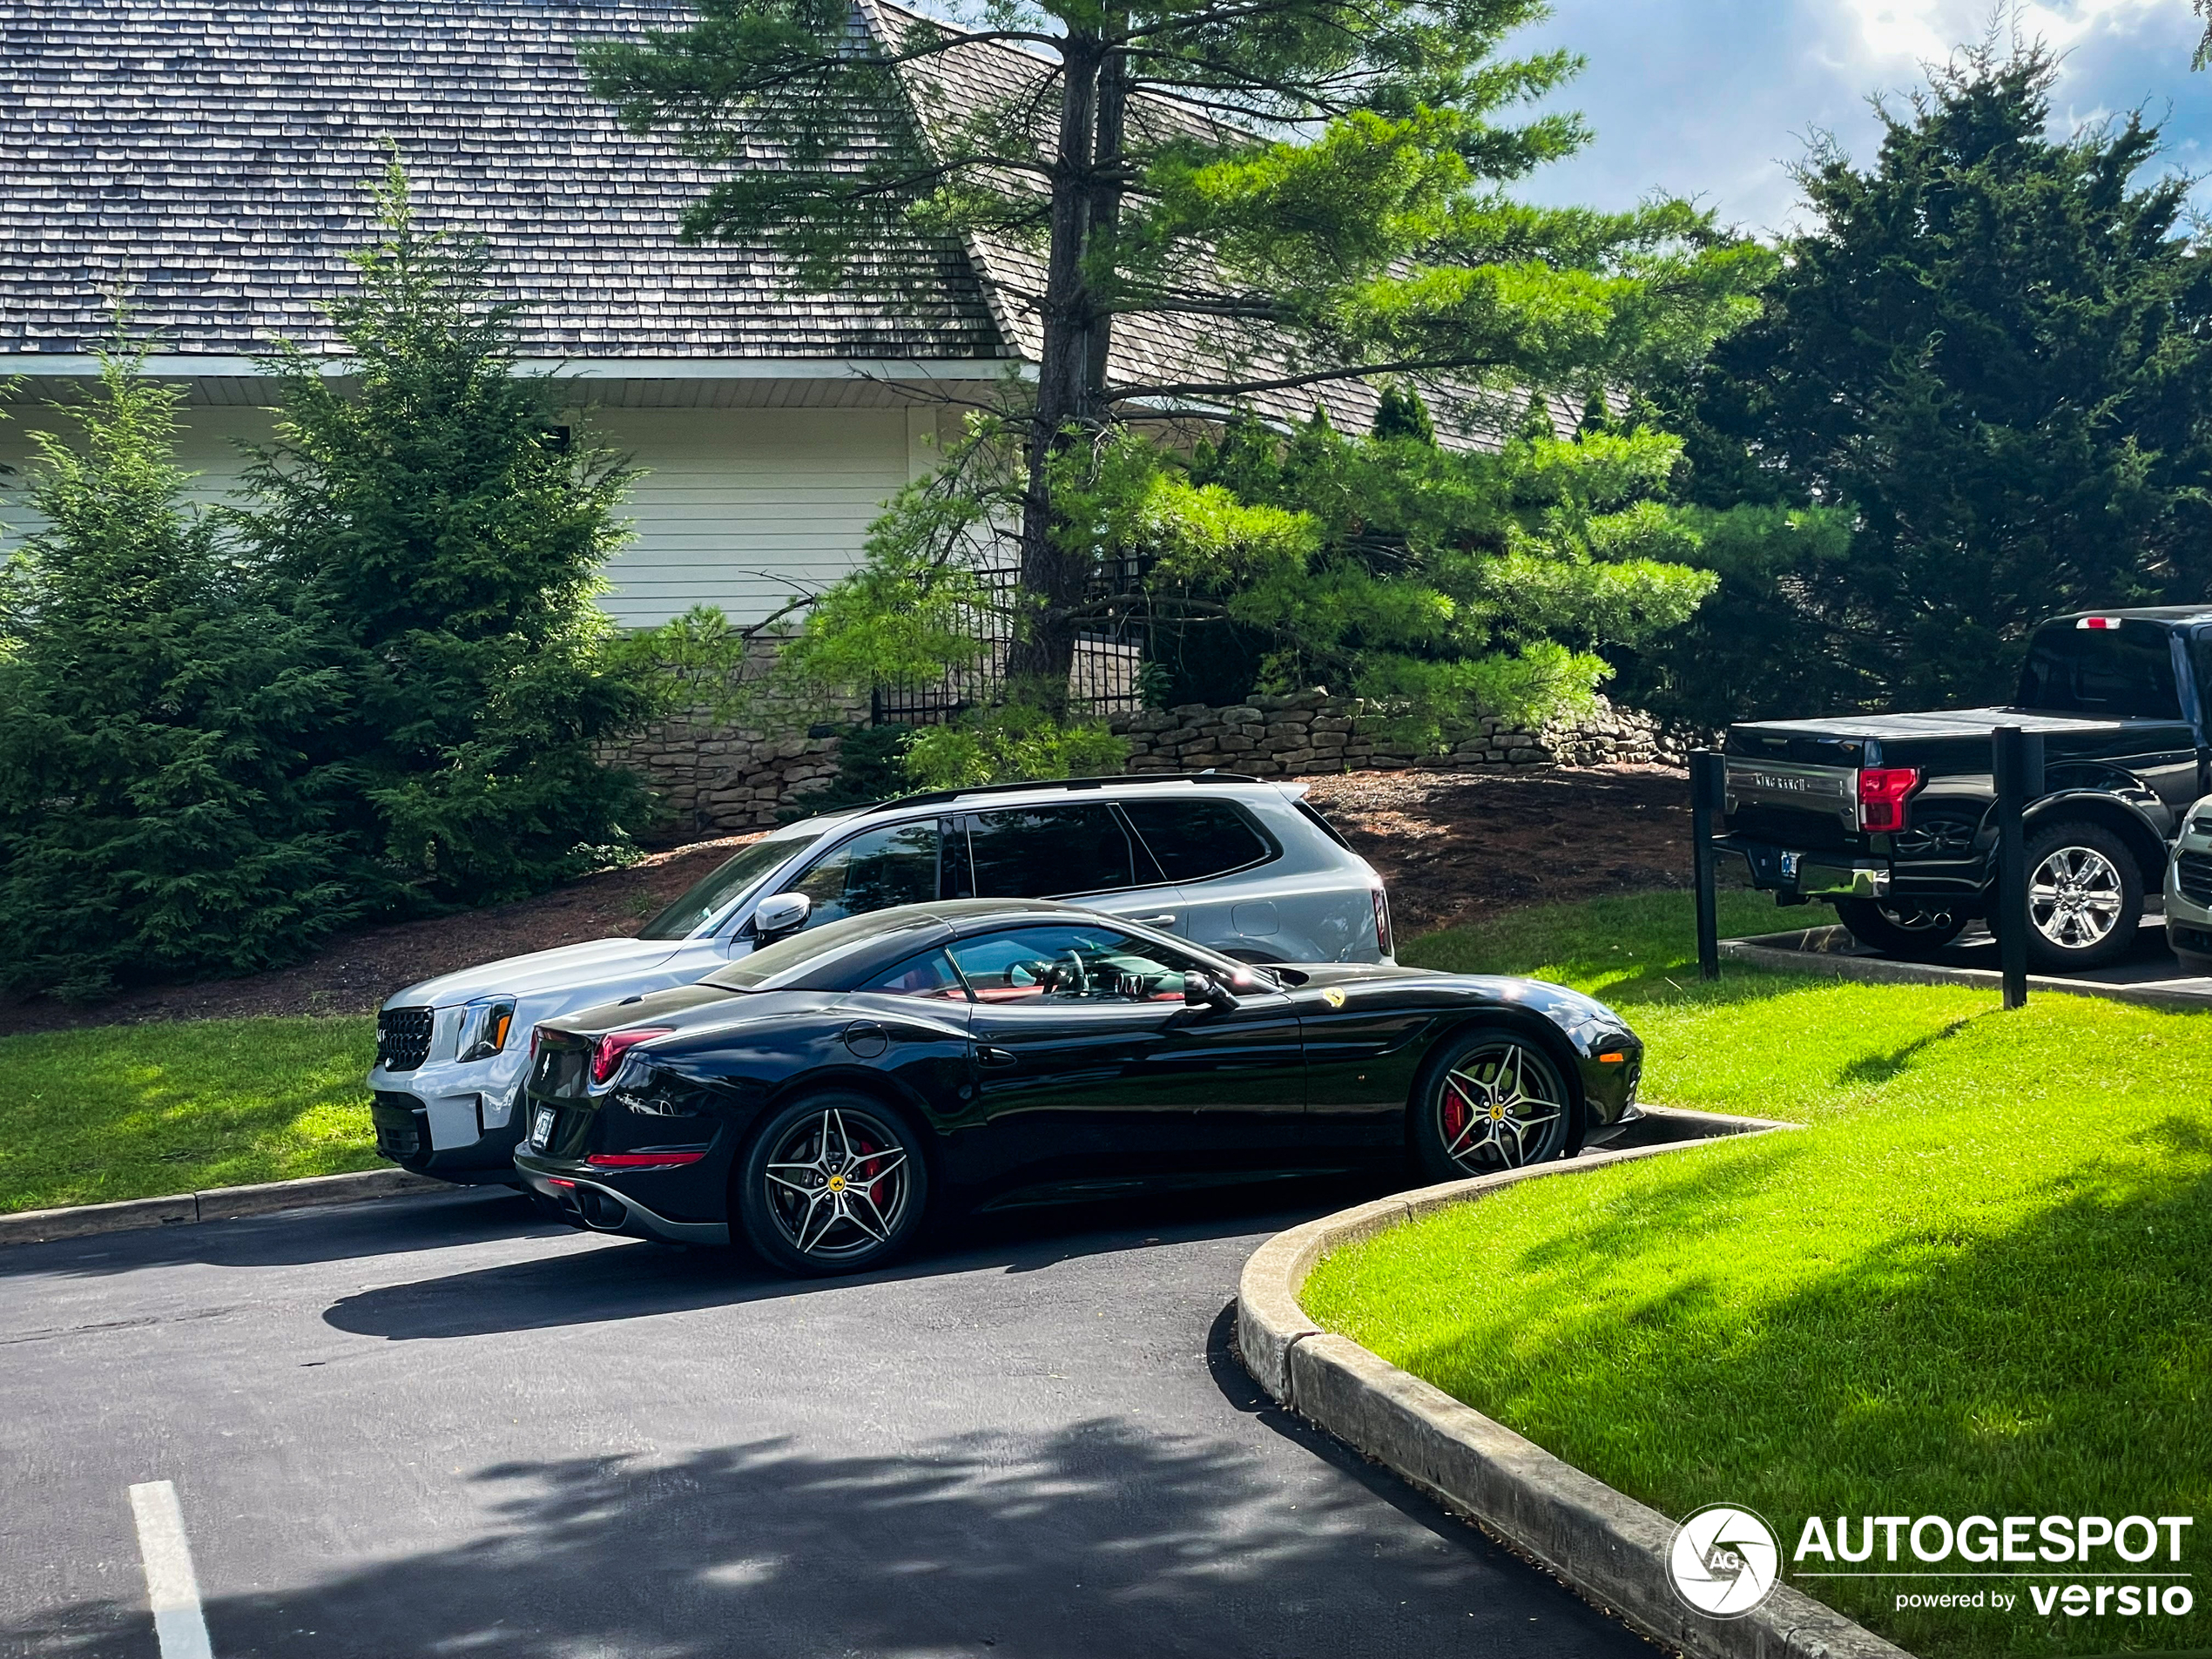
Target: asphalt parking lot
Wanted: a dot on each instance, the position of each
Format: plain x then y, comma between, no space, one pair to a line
438,1426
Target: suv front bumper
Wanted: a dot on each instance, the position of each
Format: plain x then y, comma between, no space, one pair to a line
2188,894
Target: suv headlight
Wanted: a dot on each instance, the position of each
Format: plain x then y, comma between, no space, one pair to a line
2200,821
485,1024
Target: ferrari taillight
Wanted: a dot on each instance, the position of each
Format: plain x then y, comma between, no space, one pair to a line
1882,791
607,1055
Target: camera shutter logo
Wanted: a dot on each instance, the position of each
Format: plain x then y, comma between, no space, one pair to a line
1725,1561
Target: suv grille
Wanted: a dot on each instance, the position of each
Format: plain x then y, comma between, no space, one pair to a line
402,1038
2193,876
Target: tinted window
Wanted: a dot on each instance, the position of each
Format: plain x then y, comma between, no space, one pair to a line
2113,671
1072,964
2200,670
928,975
1313,815
1043,851
1193,839
728,880
873,871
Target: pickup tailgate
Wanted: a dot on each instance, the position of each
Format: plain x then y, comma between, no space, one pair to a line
1795,787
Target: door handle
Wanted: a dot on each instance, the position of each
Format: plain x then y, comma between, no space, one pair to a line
996,1059
1166,920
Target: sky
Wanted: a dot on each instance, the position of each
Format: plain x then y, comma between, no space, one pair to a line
1715,98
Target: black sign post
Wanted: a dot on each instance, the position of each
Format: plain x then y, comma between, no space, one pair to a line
2016,768
1708,793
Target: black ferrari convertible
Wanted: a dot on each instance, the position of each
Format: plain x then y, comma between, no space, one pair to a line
826,1094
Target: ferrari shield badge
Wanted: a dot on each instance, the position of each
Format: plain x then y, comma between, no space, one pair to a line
1334,997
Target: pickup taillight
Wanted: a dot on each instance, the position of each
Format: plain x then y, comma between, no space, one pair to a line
1882,791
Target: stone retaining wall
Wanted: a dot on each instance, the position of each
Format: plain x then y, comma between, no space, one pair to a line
1310,731
738,778
734,778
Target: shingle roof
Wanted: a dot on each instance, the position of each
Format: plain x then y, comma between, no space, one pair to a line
209,159
207,156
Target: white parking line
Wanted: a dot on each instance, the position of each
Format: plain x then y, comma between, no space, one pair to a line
171,1587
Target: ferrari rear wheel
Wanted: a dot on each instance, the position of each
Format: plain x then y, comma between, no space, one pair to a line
832,1183
1495,1101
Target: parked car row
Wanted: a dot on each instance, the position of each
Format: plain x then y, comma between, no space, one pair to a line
1891,818
871,1017
1246,867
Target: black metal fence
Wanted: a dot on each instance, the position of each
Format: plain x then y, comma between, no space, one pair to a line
1104,678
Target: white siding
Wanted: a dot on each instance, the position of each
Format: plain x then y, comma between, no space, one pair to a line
207,444
736,507
740,508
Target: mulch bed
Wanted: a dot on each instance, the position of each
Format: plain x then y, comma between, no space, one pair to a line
1456,846
1453,846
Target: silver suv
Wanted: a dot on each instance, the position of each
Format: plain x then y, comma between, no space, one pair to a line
1245,866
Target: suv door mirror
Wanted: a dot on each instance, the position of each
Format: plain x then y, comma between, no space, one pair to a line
779,914
1204,991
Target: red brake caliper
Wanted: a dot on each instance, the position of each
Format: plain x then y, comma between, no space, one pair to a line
1457,1110
865,1177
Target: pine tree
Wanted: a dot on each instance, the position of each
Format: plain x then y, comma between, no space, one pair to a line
1992,350
161,813
1301,191
439,520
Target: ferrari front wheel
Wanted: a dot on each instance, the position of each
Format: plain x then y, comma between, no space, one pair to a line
832,1183
1494,1100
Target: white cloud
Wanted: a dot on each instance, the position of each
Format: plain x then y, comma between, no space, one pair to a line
1916,32
1715,98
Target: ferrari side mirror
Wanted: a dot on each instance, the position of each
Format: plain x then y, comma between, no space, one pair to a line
780,914
1203,991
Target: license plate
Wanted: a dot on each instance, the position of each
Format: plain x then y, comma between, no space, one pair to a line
542,1127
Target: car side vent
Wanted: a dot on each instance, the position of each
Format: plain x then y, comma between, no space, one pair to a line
2193,876
402,1038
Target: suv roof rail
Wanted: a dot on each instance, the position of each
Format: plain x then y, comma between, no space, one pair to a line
935,797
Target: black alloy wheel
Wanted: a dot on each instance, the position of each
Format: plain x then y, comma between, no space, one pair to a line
1494,1100
2085,897
1900,928
832,1183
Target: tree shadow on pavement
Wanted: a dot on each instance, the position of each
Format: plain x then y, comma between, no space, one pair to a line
1105,1538
339,1232
624,1279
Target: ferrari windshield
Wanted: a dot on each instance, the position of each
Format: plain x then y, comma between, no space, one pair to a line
727,882
811,958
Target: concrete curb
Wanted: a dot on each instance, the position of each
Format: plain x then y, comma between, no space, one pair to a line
1812,950
1608,1547
219,1203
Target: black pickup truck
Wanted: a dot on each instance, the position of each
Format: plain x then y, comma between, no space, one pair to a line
1891,818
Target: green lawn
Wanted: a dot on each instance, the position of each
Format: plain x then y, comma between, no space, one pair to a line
1977,1285
139,1111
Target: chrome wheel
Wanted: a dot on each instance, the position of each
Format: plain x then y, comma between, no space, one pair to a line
1499,1105
838,1184
2075,897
